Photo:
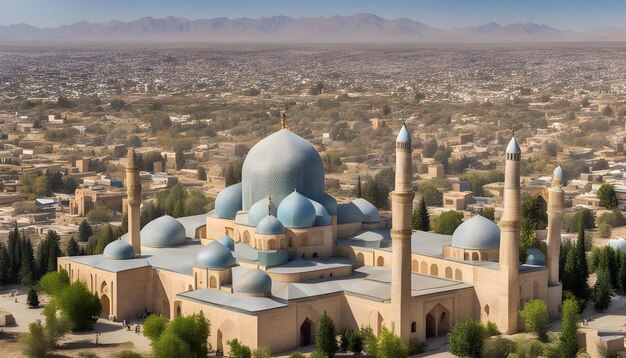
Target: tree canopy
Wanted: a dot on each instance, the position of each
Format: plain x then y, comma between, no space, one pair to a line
447,222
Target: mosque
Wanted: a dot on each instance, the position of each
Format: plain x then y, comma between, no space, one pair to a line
278,251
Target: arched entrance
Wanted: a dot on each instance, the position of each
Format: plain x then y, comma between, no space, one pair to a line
305,333
360,258
437,321
106,305
220,341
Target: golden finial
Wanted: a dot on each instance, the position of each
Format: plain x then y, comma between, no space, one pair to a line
283,120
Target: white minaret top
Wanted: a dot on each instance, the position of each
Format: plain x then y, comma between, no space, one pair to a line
513,147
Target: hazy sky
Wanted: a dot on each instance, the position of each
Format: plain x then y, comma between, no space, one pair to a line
564,14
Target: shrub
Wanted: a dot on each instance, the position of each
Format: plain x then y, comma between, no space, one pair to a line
34,342
466,338
492,330
447,222
415,347
33,298
154,326
355,343
344,339
497,347
370,343
317,354
170,345
325,338
262,352
536,318
88,355
390,345
127,354
604,230
238,350
297,355
79,306
528,348
54,282
568,340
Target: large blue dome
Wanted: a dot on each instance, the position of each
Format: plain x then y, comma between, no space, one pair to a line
358,210
163,231
119,250
369,213
253,282
270,225
321,215
260,210
214,256
228,202
296,211
477,233
277,165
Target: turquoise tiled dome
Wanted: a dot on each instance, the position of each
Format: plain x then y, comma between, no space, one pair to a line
477,233
228,242
214,256
296,211
253,282
260,210
513,147
163,231
330,203
228,202
277,165
270,225
358,210
618,244
404,135
535,257
119,250
321,215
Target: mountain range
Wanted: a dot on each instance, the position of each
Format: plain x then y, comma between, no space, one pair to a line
358,28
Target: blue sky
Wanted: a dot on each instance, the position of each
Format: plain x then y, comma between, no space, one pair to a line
564,14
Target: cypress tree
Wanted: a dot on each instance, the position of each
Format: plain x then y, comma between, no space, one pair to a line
568,340
421,218
84,231
105,236
48,252
28,267
32,299
72,248
621,275
602,290
359,188
4,265
325,338
582,270
565,248
569,272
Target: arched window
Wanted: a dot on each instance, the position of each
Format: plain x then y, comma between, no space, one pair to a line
415,267
448,272
424,268
458,275
434,270
213,282
475,256
380,261
360,258
413,327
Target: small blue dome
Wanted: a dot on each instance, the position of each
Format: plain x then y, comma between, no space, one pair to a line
558,172
477,233
369,213
119,250
618,244
330,203
259,210
163,231
321,215
513,147
214,256
404,135
228,202
296,211
270,225
253,282
348,213
535,257
228,242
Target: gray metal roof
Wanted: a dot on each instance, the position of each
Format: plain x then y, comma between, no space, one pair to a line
234,302
192,224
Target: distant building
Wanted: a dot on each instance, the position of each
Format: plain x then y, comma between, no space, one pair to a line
457,200
88,199
435,170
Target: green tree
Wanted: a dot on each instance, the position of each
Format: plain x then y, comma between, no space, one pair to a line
376,189
262,352
582,287
607,196
536,318
370,343
201,173
4,265
359,188
154,326
584,216
54,282
69,185
568,340
80,307
614,218
84,231
105,237
604,230
528,238
72,248
534,209
420,218
32,299
238,350
325,337
194,330
466,338
34,342
100,214
429,192
488,212
232,172
28,268
48,252
170,345
390,346
602,290
497,347
621,274
447,222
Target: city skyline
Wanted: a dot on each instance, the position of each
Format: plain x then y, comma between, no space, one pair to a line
566,15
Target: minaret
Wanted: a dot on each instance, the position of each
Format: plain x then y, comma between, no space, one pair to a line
509,242
401,207
556,210
133,190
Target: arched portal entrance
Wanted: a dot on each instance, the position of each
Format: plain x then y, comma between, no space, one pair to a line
305,333
437,321
106,305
